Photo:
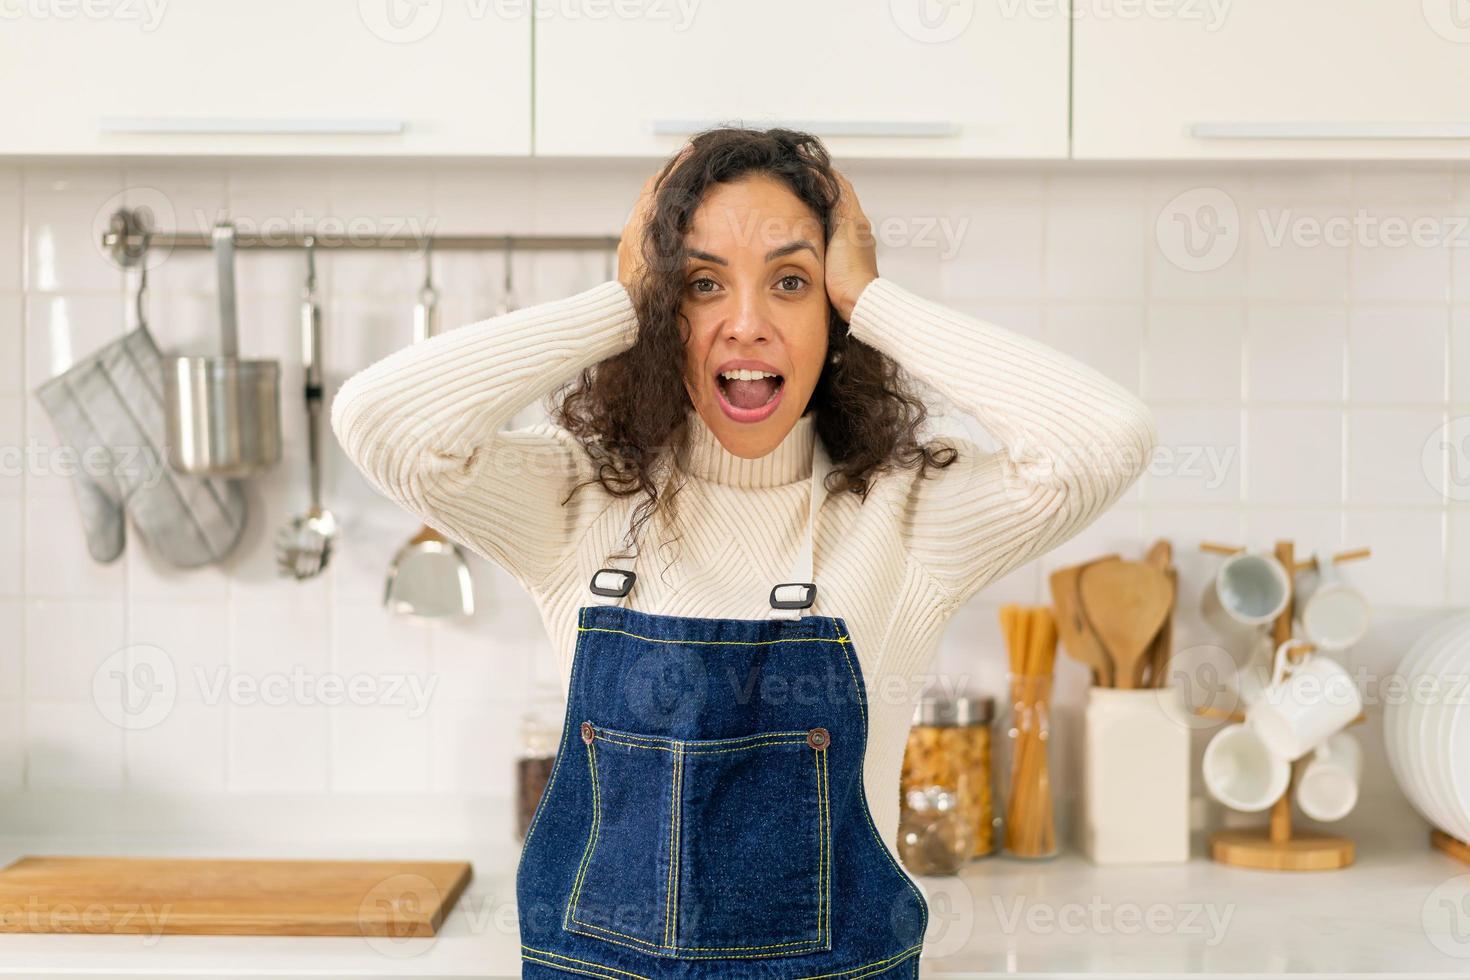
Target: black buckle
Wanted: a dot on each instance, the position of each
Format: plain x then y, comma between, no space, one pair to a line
805,602
613,592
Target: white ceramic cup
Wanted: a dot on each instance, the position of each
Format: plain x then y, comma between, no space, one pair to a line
1242,772
1247,593
1327,789
1306,703
1332,614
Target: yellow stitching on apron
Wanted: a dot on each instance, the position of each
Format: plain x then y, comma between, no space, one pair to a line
700,741
572,969
682,751
678,856
572,959
713,643
693,949
673,839
821,840
853,973
592,834
923,906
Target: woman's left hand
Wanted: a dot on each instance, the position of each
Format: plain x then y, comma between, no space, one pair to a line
852,258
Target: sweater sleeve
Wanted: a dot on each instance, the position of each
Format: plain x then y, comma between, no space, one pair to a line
425,427
1071,440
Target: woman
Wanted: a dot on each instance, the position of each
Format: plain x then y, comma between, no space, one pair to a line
744,551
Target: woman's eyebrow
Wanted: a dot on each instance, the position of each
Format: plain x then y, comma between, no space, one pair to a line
772,255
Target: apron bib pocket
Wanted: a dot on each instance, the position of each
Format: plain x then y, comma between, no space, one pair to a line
707,848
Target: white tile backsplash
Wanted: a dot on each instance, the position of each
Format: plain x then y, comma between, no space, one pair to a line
1299,384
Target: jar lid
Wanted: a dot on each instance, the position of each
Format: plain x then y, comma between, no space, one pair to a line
966,709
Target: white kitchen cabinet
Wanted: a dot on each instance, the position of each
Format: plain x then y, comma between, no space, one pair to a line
380,77
1228,79
881,78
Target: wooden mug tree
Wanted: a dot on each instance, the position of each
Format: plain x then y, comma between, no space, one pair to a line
1277,846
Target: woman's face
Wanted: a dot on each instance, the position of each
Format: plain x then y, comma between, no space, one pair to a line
756,303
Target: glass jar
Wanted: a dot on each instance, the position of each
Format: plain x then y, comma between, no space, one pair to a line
541,726
1030,820
949,747
936,836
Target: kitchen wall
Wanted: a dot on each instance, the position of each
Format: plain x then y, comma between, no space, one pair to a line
1302,333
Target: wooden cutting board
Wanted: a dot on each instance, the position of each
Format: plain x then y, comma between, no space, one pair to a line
211,897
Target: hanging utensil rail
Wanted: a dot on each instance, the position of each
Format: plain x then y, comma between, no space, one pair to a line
128,236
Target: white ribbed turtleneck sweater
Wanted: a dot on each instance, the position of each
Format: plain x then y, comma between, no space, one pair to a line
425,426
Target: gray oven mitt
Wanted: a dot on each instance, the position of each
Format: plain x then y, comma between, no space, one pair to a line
108,408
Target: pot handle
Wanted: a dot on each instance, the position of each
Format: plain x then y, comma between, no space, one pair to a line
223,240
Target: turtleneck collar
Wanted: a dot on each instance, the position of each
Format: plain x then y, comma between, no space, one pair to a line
789,462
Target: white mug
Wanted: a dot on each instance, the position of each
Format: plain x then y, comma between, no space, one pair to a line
1247,593
1327,789
1332,613
1242,772
1300,711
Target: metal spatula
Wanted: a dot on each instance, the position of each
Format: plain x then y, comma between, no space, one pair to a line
429,576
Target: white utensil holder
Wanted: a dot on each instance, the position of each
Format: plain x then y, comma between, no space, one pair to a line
1136,777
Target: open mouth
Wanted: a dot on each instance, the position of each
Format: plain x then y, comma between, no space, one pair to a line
749,395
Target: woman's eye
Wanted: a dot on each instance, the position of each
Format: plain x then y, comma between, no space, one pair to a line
704,284
791,283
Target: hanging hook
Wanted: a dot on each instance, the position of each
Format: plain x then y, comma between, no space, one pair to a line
309,243
142,279
426,310
507,301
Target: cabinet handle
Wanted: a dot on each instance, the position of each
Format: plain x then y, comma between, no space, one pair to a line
863,128
1330,131
225,126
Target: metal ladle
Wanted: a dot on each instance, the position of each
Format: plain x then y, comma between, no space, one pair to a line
429,576
304,545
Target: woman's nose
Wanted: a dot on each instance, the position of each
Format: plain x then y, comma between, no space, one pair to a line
750,321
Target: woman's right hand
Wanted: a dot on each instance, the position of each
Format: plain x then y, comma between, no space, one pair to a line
630,245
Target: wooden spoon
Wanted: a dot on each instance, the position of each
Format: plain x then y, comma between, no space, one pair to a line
1077,636
1161,650
1126,602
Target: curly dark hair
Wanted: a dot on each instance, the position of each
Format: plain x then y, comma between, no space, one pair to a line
627,410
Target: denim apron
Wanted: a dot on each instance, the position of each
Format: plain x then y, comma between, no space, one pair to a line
706,815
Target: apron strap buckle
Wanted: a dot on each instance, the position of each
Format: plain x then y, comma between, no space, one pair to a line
615,583
794,595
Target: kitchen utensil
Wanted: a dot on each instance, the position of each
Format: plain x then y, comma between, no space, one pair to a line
1076,633
1161,650
1305,704
429,576
304,545
1333,614
1247,594
1241,772
1437,689
1126,602
1135,777
223,412
108,410
1417,771
207,897
1327,788
508,302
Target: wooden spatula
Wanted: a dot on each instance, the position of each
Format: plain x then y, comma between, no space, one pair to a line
1077,636
1126,602
1161,650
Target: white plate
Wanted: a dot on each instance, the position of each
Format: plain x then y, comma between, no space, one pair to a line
1402,720
1427,739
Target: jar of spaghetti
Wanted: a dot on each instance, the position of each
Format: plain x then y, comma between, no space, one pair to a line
949,747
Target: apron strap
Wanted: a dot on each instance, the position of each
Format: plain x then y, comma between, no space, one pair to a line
790,599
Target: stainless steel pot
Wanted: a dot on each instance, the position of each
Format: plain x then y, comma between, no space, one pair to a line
224,416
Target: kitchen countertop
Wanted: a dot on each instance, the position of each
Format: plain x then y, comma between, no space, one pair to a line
1403,912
